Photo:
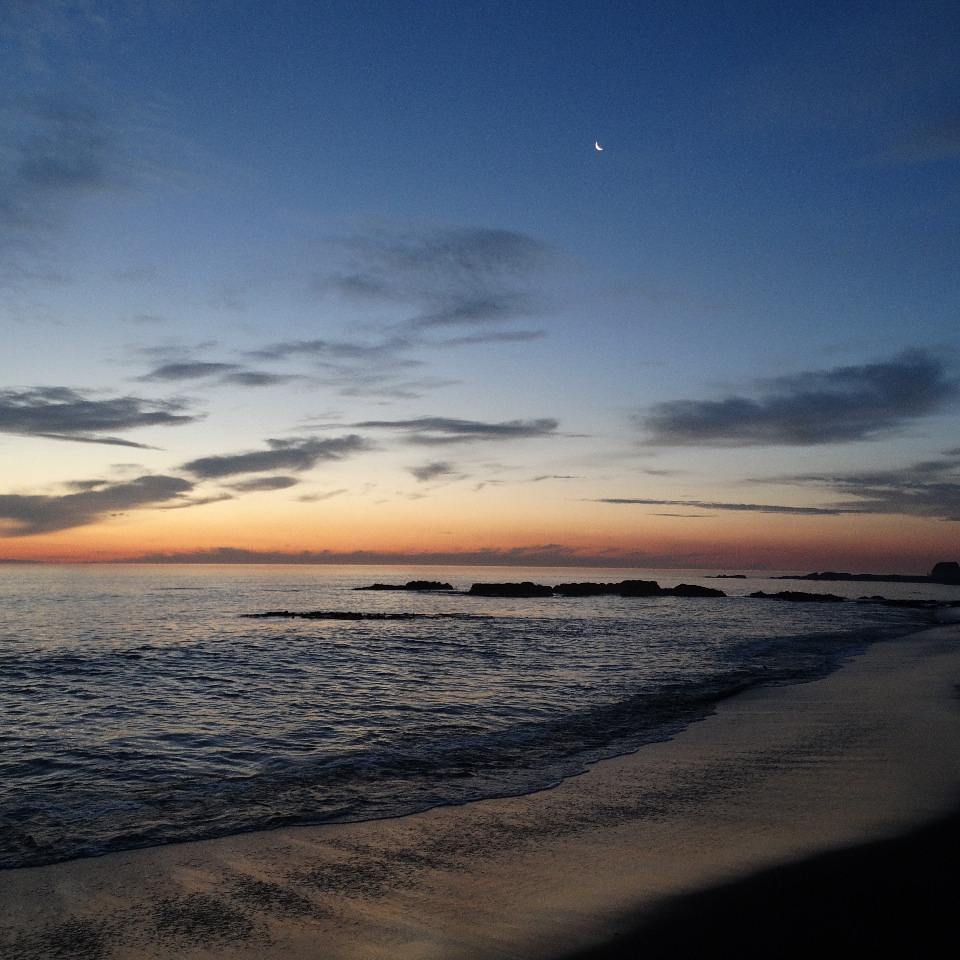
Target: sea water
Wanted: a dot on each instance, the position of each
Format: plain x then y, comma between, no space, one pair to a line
138,705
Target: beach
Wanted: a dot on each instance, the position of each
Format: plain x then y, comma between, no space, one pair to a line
775,776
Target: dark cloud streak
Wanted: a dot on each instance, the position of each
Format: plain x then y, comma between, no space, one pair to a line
297,455
444,430
738,507
28,515
61,413
433,471
930,488
838,405
263,484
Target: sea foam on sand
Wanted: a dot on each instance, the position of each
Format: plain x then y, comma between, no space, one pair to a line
774,775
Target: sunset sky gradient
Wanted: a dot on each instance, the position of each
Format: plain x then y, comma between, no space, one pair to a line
350,281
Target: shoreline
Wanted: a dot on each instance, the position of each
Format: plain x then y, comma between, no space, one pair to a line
541,874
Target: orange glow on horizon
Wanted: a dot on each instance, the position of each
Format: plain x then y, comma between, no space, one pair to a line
622,533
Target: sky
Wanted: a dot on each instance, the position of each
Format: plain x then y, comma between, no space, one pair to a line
350,281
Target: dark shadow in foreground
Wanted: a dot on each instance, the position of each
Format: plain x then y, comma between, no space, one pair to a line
891,897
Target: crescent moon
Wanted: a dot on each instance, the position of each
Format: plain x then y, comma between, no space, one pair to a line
597,147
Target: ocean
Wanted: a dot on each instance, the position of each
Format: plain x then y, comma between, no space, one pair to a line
138,706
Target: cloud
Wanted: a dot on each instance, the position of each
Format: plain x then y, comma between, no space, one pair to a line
256,378
225,373
297,454
333,350
317,497
27,515
62,413
431,281
187,371
838,405
929,488
491,336
443,277
433,471
742,507
443,430
359,368
256,484
197,502
55,150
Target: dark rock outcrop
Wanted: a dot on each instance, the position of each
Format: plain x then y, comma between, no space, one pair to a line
947,571
626,588
525,589
640,588
798,596
587,589
634,588
409,585
692,590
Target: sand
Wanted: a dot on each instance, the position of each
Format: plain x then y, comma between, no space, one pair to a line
776,776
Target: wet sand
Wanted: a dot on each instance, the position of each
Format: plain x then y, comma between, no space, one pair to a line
775,777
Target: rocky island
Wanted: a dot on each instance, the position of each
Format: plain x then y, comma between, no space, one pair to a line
946,572
414,585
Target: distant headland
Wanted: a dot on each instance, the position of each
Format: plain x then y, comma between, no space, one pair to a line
946,572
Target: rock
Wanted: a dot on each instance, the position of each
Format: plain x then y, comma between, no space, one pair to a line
946,572
798,596
525,589
692,590
634,588
409,585
727,576
640,588
587,589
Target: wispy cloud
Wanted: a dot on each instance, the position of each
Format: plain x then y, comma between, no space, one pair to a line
55,150
379,369
295,454
215,374
443,277
428,290
318,497
62,413
490,336
187,371
443,430
334,350
929,488
256,378
29,514
740,507
196,502
259,484
433,471
838,405
554,476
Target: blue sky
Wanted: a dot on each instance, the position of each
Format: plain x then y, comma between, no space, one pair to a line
380,212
